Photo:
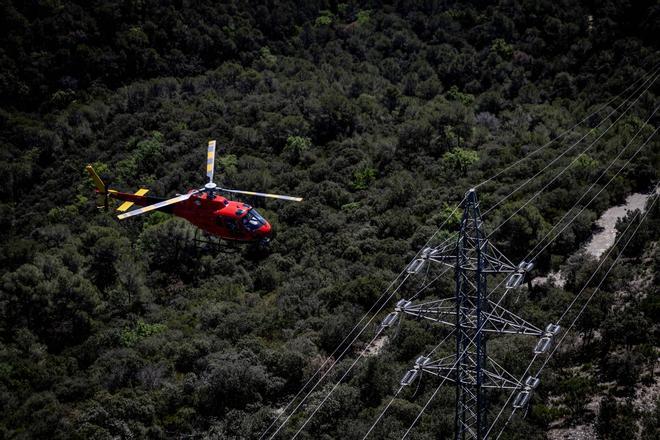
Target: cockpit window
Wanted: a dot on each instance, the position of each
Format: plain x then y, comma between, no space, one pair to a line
253,220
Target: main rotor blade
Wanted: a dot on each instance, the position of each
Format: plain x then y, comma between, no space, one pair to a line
210,161
148,208
272,196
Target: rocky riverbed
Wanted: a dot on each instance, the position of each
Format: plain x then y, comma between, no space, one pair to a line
602,240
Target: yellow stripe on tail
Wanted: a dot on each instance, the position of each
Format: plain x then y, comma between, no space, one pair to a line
124,206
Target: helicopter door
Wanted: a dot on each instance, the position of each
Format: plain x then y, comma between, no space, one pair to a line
231,225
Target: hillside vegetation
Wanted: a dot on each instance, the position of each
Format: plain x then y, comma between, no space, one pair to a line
381,115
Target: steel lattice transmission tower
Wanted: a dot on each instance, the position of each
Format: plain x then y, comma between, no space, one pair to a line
473,316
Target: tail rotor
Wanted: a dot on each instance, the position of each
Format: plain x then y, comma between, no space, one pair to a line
101,187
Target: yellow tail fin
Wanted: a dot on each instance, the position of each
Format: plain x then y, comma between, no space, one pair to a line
97,180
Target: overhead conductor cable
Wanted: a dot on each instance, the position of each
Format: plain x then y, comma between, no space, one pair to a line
380,416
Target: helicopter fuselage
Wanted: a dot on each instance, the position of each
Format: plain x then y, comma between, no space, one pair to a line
212,213
204,207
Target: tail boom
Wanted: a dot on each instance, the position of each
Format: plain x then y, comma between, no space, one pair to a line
138,198
129,200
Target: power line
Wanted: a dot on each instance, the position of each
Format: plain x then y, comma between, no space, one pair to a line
576,143
578,295
380,416
385,292
345,339
547,144
592,186
584,306
419,415
572,323
454,365
337,360
565,226
567,166
335,386
352,365
655,197
459,357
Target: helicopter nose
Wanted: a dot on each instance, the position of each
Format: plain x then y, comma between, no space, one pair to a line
266,229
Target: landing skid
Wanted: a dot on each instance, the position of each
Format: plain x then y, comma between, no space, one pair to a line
205,242
211,243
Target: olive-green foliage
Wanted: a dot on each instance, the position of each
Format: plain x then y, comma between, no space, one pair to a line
130,336
460,159
147,156
362,17
325,19
296,146
381,117
363,177
614,420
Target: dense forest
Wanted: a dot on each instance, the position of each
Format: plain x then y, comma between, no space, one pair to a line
381,115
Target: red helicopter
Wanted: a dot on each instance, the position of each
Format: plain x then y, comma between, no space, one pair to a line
204,207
